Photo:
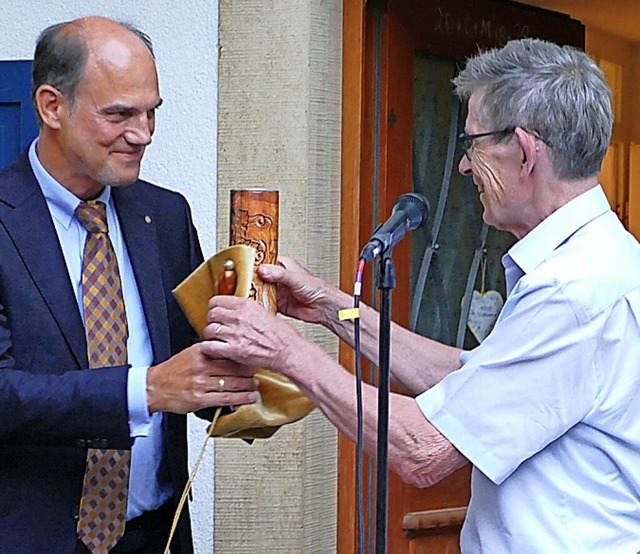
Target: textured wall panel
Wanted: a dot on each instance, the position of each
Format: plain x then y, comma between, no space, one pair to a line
279,127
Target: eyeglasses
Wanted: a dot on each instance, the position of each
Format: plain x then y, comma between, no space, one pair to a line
467,140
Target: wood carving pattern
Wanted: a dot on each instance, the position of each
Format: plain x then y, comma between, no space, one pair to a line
254,222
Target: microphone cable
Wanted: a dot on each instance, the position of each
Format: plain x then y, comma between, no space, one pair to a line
354,314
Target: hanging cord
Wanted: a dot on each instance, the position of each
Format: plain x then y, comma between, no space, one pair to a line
187,487
360,417
479,255
354,314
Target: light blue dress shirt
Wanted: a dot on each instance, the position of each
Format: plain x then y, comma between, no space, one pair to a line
547,408
146,492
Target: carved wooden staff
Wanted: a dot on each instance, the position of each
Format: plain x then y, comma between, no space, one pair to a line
254,222
254,241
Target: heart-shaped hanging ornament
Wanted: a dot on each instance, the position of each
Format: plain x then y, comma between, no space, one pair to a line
483,313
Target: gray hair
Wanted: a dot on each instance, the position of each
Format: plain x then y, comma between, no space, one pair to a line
557,92
61,56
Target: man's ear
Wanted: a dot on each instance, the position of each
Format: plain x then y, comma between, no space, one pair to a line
51,105
530,149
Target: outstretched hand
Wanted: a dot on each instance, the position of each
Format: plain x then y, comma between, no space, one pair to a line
243,330
300,294
192,380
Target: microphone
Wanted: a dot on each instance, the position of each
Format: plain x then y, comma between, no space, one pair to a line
409,212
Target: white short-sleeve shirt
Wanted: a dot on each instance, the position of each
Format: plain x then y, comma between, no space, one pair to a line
547,408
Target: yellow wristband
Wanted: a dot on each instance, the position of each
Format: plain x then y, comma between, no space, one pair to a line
349,313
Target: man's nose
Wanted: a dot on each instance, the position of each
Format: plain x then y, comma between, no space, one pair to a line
464,166
140,131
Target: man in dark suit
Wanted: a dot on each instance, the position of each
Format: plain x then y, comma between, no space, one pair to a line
96,94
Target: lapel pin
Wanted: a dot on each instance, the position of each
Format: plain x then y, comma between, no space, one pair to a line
147,218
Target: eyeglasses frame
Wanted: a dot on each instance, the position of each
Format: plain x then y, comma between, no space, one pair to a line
466,140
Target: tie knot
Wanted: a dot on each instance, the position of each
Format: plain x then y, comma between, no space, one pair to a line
93,215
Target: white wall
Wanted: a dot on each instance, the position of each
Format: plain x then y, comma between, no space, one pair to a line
183,154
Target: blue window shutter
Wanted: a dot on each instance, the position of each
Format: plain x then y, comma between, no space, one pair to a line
18,126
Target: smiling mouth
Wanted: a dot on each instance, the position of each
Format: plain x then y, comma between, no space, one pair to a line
134,155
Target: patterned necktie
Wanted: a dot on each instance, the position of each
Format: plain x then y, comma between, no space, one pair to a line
103,506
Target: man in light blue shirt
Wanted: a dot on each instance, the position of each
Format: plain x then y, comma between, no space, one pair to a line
547,408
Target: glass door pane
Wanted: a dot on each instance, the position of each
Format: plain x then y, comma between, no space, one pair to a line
457,253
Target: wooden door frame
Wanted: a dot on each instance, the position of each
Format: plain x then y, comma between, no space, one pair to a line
394,176
357,218
353,48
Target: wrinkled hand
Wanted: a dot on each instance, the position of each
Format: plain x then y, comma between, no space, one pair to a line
192,380
246,332
300,294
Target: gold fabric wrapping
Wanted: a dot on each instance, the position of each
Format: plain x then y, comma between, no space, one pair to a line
254,235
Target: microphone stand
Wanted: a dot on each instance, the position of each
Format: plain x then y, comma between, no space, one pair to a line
386,283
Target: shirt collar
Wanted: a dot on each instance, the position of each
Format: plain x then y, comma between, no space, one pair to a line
530,251
62,203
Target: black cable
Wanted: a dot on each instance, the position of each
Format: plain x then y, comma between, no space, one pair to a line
359,409
360,433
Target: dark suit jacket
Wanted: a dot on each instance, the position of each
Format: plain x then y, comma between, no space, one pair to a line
51,407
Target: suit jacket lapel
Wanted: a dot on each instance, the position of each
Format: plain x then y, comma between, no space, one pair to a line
27,219
141,237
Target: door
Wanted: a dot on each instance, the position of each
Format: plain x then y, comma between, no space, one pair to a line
400,124
18,125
